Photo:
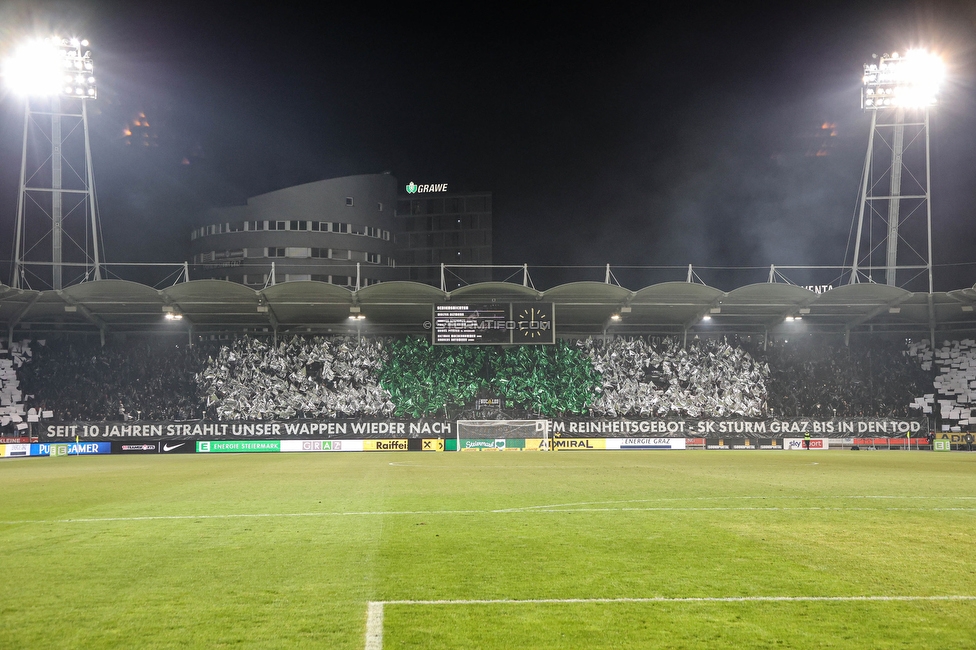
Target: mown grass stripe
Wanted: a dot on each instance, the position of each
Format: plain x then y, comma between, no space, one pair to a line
514,511
374,609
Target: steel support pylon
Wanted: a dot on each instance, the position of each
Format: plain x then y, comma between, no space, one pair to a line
57,236
893,239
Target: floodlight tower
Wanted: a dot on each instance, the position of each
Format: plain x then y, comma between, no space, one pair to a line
898,92
56,202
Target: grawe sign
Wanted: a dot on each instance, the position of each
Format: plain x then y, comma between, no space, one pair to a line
428,188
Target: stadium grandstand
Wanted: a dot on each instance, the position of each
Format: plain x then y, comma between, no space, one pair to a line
217,351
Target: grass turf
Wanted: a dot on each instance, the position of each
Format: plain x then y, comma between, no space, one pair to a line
285,550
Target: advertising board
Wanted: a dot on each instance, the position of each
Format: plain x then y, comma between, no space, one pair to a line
70,448
574,444
800,443
645,443
321,445
153,447
386,445
237,446
119,447
177,447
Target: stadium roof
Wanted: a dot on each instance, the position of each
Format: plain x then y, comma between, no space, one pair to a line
581,308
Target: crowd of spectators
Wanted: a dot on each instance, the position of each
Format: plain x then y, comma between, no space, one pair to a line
953,389
257,378
12,414
138,379
811,377
706,378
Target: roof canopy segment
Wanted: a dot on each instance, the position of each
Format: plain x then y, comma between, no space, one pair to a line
581,308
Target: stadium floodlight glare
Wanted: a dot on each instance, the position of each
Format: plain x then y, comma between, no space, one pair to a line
898,92
911,80
52,67
47,70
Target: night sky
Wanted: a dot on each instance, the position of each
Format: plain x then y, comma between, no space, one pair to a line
619,133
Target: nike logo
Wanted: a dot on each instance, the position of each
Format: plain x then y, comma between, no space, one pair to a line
170,448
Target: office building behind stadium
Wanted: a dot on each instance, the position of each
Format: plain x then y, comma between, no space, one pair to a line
436,226
338,230
352,231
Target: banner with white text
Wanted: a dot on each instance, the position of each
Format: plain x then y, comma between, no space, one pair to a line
433,428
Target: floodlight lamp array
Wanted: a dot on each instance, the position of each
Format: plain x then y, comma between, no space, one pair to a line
52,66
896,81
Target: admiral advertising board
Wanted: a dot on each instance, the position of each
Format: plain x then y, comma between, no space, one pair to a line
959,440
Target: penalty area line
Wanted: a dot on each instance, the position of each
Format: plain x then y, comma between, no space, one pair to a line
374,609
374,626
667,599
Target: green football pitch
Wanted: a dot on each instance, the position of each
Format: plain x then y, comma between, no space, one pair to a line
681,549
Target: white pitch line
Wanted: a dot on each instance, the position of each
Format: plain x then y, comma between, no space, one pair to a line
722,498
374,626
511,511
268,515
664,599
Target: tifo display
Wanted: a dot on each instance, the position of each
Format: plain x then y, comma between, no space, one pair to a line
340,388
